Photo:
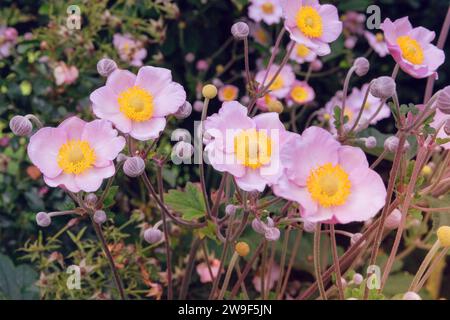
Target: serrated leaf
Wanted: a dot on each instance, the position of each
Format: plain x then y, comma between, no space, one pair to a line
189,202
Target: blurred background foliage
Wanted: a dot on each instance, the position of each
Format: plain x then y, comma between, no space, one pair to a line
171,31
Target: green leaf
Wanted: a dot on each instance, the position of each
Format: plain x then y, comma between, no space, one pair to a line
439,218
17,282
189,202
209,231
109,199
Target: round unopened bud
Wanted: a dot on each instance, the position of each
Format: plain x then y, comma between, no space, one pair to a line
275,106
230,209
427,170
272,234
447,127
411,295
209,91
357,279
393,219
355,238
198,106
184,111
43,219
391,144
362,66
183,150
242,248
20,126
121,157
258,226
180,135
443,234
443,100
106,66
91,199
383,87
134,166
370,142
153,235
309,226
240,30
100,216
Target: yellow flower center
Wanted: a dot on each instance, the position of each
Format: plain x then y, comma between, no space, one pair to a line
267,8
76,156
411,49
136,104
367,106
348,113
329,185
302,50
253,148
277,84
379,37
309,22
261,36
299,94
229,93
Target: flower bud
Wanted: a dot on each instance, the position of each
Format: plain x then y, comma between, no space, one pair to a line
198,106
242,249
134,166
370,142
443,234
100,216
316,65
258,226
358,279
275,106
383,87
43,219
230,209
189,57
180,135
447,127
411,295
443,100
427,170
153,235
355,238
20,126
184,111
272,234
91,199
393,220
106,66
309,226
240,30
183,150
209,91
361,66
391,144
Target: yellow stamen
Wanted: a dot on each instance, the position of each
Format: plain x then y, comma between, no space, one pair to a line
267,8
277,84
253,148
136,104
329,185
309,22
76,156
302,50
411,49
299,94
379,37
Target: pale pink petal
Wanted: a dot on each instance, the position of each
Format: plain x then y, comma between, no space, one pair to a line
104,101
43,150
91,180
149,129
104,140
73,127
251,181
153,79
120,80
224,162
332,26
169,99
63,180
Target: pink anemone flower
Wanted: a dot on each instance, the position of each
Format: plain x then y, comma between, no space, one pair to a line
248,148
282,83
302,53
300,93
377,42
411,48
77,155
204,273
312,24
268,11
331,182
138,105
